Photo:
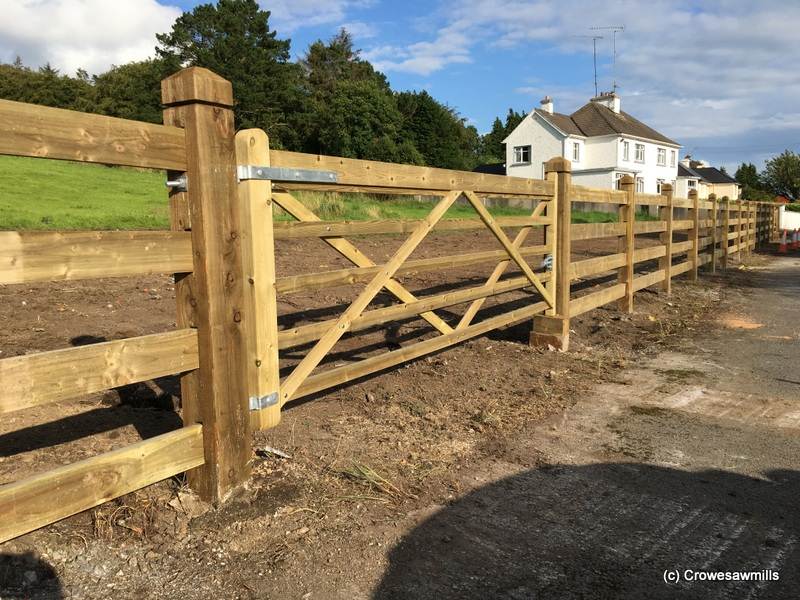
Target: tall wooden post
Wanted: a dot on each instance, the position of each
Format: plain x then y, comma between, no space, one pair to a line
738,230
665,263
694,234
626,243
201,102
726,229
553,330
714,230
261,310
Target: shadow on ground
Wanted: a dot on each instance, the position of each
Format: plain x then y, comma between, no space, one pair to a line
25,576
604,531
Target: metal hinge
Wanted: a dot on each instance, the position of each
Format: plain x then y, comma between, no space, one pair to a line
246,172
262,402
178,184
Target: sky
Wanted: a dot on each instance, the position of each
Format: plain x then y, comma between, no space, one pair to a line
719,76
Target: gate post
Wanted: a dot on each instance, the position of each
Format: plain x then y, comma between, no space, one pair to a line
694,234
212,297
553,329
714,230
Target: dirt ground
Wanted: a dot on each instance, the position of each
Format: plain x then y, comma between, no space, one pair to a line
664,440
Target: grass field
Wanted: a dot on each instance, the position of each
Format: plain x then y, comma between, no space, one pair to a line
51,194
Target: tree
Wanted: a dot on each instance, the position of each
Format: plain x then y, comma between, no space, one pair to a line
752,188
133,90
436,130
46,86
233,39
492,148
324,65
781,175
361,121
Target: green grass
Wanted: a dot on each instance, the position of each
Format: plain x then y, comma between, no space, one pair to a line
51,194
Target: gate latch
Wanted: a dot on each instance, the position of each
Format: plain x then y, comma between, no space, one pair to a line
262,402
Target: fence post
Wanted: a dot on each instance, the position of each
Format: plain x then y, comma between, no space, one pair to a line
738,230
714,233
553,329
261,303
626,244
726,227
202,102
695,234
665,263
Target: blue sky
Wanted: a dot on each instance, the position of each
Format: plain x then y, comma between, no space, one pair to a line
719,76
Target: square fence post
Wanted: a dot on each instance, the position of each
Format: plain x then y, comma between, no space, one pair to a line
627,242
694,234
553,329
714,230
211,298
665,263
726,229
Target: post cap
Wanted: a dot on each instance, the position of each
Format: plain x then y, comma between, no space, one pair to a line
627,180
558,164
692,193
196,84
666,188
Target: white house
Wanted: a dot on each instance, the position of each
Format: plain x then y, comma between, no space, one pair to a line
602,142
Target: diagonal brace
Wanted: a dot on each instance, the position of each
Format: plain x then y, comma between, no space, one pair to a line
498,271
509,247
344,247
290,385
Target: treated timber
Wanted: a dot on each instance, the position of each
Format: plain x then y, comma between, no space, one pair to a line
341,228
350,372
595,266
36,379
645,254
205,103
694,234
44,132
588,231
627,243
666,212
580,193
389,176
291,205
303,334
304,368
43,499
650,199
297,283
260,301
644,281
583,304
29,256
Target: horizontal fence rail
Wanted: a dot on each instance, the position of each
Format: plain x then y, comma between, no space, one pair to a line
44,132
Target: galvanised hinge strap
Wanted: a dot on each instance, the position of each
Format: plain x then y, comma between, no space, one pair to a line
262,402
247,172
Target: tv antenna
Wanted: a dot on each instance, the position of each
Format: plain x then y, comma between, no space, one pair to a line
614,29
594,39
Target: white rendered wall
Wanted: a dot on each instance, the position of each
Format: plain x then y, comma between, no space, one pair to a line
544,141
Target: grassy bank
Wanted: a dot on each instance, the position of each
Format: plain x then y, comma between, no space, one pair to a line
50,194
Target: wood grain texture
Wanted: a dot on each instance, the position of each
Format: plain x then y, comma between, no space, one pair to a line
43,499
44,377
366,173
627,243
28,256
260,313
666,212
44,132
221,402
580,193
583,304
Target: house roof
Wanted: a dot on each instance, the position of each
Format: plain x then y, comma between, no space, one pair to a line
491,169
595,119
684,171
561,122
714,175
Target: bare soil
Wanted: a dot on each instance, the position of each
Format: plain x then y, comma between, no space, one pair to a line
388,478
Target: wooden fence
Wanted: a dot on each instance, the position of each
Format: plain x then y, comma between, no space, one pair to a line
221,249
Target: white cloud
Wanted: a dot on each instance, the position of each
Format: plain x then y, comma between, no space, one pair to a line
696,69
89,34
290,15
360,30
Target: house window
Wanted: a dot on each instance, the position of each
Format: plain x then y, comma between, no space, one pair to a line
672,157
662,157
692,183
522,154
659,183
640,153
639,185
576,152
626,150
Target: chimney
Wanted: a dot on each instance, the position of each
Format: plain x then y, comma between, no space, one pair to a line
609,100
686,161
547,104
